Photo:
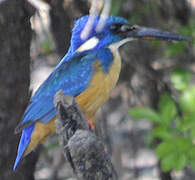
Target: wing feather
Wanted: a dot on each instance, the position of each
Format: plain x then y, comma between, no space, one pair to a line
72,77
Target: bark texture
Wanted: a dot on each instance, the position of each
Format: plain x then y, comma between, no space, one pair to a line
62,15
15,38
60,26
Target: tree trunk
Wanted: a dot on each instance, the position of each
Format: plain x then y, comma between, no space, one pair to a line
60,26
62,15
15,38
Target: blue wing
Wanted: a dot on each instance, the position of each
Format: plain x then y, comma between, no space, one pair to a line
72,76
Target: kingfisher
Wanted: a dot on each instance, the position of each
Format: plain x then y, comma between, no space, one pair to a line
88,72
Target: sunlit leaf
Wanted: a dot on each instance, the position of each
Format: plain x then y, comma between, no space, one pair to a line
174,161
182,145
164,149
166,108
180,78
162,132
188,122
174,145
187,100
180,161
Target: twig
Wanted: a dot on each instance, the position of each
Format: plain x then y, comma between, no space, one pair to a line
94,10
84,151
40,5
96,7
104,15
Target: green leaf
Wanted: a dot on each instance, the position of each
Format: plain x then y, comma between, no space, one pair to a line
164,149
191,155
144,113
175,145
180,78
174,161
180,161
162,132
182,145
167,163
187,100
187,123
192,164
175,49
192,131
166,108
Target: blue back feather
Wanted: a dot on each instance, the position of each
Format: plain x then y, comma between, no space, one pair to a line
25,139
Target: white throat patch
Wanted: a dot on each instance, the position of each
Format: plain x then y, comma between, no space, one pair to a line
116,45
89,44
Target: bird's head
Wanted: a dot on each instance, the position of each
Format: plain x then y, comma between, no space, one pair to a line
116,30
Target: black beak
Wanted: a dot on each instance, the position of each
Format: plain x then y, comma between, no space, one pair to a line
139,32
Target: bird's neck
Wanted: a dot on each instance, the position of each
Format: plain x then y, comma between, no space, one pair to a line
106,55
106,58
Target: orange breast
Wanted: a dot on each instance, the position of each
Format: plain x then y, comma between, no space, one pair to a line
100,88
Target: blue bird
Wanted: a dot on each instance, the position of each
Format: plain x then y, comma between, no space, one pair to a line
89,71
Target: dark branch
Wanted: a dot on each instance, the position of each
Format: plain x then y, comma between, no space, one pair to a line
84,151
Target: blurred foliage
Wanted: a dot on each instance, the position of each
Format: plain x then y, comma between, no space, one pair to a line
180,78
188,30
175,48
174,118
52,145
178,48
137,14
46,47
116,6
174,124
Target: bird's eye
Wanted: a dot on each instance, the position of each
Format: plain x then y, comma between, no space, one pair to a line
126,28
115,27
121,28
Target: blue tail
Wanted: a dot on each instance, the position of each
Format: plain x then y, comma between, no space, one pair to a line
24,141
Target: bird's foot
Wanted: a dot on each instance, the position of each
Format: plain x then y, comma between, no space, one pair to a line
91,124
